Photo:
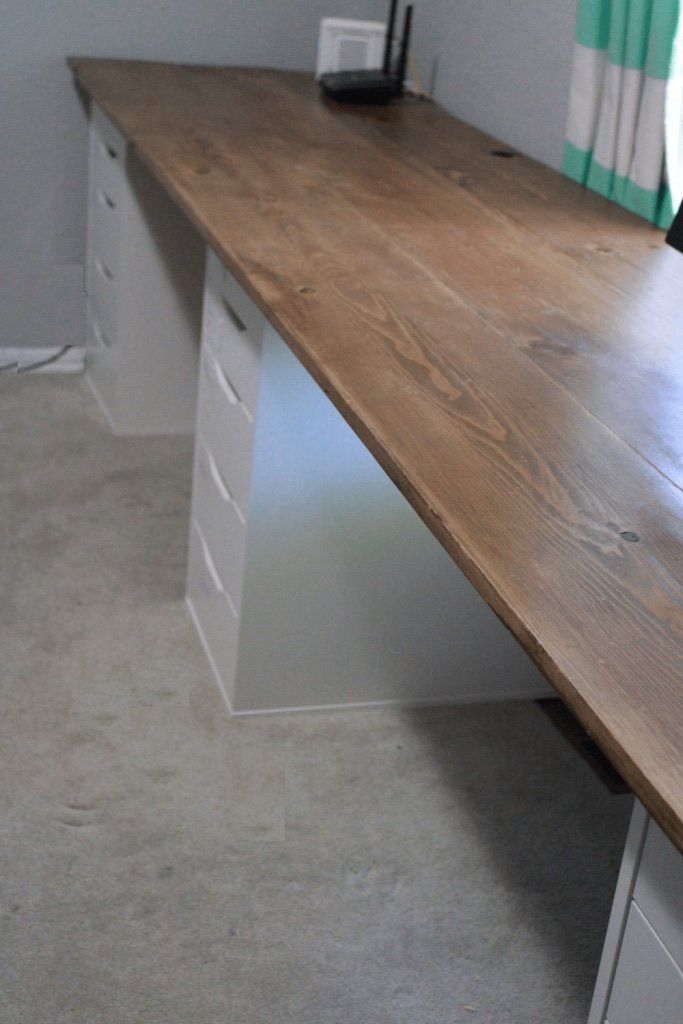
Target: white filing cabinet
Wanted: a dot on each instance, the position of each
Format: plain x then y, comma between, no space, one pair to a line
143,280
641,973
311,580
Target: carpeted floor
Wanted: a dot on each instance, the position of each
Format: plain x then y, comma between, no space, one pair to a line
163,864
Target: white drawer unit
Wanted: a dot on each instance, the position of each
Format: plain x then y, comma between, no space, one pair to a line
648,985
144,282
220,522
641,973
343,595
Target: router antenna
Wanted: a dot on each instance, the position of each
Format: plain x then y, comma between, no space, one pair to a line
389,41
405,43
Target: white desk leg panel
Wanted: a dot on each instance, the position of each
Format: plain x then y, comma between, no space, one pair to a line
640,980
144,280
347,598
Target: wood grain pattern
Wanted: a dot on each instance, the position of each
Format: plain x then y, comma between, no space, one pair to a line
508,346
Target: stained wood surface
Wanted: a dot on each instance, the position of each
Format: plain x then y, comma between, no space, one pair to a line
507,345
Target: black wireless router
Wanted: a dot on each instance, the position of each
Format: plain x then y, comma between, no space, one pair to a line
379,86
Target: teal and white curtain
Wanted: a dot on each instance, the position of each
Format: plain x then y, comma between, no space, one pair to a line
625,124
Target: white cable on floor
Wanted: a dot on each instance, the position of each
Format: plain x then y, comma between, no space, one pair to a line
45,362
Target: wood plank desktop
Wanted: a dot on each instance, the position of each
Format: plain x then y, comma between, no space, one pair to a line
508,346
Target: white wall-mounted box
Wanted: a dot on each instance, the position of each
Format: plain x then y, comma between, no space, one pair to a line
348,45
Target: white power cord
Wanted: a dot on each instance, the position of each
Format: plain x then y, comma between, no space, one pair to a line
36,366
45,362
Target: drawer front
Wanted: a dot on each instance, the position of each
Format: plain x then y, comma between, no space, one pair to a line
99,356
219,522
242,307
224,283
103,295
217,619
108,157
236,346
104,234
659,890
97,340
226,428
648,986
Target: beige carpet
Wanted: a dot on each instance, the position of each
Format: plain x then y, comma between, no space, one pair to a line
163,864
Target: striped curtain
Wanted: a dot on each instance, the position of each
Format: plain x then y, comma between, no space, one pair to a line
623,83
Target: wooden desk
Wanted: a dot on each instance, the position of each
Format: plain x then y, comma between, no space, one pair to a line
508,347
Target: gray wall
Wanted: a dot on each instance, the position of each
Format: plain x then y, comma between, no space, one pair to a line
42,129
502,65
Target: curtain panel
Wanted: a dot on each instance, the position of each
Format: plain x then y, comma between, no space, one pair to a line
624,63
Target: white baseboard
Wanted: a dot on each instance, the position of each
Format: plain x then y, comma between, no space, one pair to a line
73,360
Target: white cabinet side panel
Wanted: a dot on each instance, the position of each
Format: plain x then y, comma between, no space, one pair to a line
161,296
620,906
348,597
648,986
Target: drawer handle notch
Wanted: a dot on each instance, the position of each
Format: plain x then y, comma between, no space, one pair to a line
100,336
236,321
215,578
224,384
106,200
104,270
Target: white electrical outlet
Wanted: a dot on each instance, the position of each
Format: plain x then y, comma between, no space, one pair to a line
348,45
